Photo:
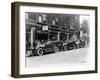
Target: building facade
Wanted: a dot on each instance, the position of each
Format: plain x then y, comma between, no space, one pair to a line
55,27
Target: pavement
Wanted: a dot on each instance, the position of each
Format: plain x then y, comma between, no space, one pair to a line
71,57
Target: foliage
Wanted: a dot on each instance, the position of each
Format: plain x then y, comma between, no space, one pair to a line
85,27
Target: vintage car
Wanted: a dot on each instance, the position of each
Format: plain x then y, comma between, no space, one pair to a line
55,46
73,45
69,45
50,46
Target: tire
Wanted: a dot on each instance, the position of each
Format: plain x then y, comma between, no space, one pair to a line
81,45
77,46
56,49
65,48
70,46
40,52
74,46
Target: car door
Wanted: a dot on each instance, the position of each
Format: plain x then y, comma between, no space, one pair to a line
48,47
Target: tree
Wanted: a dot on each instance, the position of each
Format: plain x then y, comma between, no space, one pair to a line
85,27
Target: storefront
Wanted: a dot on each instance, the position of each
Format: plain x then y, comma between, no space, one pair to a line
43,32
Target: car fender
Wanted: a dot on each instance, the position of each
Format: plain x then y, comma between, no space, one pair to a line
38,46
65,44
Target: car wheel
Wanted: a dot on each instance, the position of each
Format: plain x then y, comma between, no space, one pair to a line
81,45
77,46
56,49
74,46
40,52
70,46
65,48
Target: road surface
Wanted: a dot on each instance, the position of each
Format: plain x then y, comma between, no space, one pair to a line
76,56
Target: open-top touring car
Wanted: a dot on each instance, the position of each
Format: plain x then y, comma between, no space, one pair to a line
50,46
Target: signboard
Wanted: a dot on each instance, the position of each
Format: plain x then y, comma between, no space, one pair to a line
45,28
